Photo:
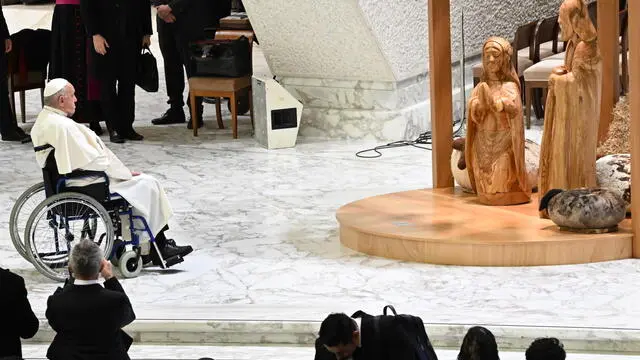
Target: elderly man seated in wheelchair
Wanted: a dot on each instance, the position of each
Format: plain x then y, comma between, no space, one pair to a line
74,159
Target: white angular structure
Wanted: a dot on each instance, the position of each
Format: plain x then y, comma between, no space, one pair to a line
276,114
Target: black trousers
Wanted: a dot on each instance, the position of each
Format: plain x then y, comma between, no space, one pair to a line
7,120
118,90
175,52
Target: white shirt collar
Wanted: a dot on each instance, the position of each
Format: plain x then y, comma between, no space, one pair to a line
57,111
359,322
85,282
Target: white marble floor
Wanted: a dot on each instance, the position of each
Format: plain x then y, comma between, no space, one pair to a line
263,226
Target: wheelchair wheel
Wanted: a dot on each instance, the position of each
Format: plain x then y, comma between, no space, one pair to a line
20,213
130,264
60,222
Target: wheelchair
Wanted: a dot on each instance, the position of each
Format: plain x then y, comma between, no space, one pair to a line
65,214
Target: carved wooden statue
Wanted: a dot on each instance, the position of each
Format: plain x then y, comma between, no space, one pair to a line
495,133
570,137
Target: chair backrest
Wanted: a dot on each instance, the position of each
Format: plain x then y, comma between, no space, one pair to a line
50,173
524,38
30,53
547,31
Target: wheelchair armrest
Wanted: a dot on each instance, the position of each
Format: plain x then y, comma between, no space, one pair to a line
79,174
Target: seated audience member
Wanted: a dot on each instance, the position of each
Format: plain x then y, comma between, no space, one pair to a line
359,338
545,349
16,314
88,318
478,344
78,148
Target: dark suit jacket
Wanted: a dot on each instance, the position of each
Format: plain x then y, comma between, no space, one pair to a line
16,314
88,321
384,343
193,16
122,23
4,30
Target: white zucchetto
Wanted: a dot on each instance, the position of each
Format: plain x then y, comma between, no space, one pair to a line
54,85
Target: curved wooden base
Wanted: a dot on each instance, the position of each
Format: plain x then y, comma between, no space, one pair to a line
450,227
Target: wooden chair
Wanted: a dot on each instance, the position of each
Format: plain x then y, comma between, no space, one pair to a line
27,65
546,45
222,87
523,47
624,53
537,77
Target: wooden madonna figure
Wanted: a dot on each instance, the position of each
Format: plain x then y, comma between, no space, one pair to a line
570,135
494,146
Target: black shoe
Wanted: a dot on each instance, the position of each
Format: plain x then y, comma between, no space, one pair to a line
170,250
115,138
15,136
190,123
133,135
171,116
95,126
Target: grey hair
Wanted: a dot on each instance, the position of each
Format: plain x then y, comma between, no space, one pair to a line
52,100
86,258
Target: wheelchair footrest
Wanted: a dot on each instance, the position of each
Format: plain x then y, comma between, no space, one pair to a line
173,260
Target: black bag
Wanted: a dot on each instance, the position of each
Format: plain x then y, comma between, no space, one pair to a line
147,71
416,335
224,58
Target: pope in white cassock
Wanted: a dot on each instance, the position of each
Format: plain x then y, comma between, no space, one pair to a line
78,148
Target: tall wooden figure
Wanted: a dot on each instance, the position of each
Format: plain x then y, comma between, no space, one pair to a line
570,137
495,132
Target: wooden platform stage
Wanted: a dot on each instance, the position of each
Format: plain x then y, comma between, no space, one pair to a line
447,226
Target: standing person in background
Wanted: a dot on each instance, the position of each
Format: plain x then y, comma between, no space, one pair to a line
9,129
179,23
70,48
119,29
16,314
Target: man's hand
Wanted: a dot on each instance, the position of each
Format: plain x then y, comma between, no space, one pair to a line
164,11
146,41
135,173
8,45
105,269
100,44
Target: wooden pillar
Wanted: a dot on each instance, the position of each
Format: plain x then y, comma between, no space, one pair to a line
608,33
441,92
634,99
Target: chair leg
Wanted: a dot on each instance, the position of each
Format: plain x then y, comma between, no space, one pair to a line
253,128
194,113
234,115
23,106
527,109
12,103
219,114
42,97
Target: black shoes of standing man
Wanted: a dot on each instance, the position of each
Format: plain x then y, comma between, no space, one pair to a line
16,135
175,116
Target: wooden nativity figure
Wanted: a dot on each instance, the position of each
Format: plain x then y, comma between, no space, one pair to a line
570,135
494,146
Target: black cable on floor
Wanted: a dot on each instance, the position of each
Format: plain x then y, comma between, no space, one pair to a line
424,139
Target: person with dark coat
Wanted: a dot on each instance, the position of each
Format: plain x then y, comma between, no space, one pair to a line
119,29
359,338
179,23
9,129
87,317
15,311
69,60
